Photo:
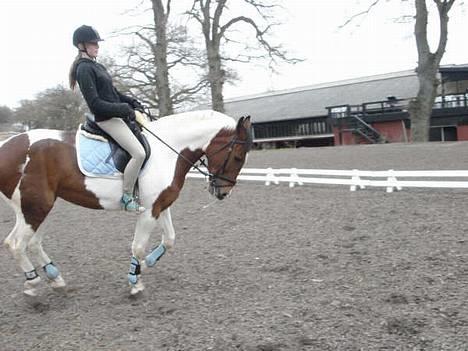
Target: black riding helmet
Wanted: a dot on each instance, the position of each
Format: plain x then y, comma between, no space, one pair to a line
85,34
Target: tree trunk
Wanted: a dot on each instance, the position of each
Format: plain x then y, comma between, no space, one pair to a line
420,108
215,77
162,72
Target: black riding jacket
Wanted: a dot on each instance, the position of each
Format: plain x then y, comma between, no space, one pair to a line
103,99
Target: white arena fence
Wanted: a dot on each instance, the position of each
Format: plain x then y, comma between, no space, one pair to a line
390,180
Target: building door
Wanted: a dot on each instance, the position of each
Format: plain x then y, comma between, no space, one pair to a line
448,133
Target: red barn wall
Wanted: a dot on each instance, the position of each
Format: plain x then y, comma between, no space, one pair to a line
392,131
462,132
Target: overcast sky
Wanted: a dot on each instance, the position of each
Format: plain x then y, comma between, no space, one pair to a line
36,42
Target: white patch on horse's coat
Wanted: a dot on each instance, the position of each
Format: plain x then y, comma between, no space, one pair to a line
23,165
199,127
36,135
108,191
22,232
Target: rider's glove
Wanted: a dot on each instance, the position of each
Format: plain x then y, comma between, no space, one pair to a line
138,106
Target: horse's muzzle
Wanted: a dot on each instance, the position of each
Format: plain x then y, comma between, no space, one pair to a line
220,192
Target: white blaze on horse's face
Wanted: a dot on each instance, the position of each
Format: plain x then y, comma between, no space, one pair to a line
226,155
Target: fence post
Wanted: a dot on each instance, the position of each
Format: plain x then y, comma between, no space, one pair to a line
356,181
393,182
294,178
270,177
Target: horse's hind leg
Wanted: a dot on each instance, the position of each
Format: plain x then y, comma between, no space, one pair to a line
17,242
43,260
36,206
31,209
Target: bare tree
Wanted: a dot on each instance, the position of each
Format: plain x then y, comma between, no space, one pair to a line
152,65
209,14
420,107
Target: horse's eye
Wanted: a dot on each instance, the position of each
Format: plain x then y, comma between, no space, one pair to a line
238,159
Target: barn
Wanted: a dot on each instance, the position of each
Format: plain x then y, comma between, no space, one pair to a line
370,109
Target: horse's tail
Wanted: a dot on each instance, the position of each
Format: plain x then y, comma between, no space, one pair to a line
13,155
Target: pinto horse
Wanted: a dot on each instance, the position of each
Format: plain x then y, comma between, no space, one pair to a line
40,165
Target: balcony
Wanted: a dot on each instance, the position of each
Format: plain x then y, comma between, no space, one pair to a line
398,108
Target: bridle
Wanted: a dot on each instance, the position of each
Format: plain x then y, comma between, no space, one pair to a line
219,174
212,177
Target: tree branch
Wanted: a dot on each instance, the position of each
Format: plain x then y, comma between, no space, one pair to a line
443,8
366,12
420,29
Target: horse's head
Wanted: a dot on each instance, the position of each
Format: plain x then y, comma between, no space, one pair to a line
226,155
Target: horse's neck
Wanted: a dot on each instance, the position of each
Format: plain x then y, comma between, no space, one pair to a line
190,132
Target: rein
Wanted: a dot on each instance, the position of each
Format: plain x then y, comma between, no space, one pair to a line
211,176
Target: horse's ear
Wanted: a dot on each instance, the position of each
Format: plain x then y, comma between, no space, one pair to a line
246,123
240,123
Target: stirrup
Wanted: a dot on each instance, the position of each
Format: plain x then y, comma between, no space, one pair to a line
128,203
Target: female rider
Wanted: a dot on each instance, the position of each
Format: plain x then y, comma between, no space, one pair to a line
109,106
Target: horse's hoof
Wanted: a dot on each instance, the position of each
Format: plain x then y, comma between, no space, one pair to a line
32,299
136,290
135,294
58,283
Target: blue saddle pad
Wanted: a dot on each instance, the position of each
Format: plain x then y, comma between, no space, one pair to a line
94,156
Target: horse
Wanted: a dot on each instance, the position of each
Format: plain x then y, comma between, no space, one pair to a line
40,165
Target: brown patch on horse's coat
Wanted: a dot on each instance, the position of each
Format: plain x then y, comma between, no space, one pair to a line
221,139
171,193
71,186
51,170
12,156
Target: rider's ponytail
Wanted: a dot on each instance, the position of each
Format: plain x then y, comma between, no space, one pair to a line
72,74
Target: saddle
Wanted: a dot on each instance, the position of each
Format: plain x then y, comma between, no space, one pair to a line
100,155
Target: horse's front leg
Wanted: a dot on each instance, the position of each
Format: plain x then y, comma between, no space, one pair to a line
167,242
144,226
165,220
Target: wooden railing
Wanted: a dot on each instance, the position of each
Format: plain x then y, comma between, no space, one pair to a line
394,106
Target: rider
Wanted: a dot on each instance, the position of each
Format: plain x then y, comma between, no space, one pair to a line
110,108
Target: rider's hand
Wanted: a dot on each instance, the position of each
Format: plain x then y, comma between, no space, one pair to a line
138,106
140,119
131,116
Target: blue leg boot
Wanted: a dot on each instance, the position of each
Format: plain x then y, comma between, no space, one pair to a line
134,271
155,255
51,271
129,203
55,279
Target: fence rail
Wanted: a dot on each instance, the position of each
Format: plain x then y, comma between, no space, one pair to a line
391,180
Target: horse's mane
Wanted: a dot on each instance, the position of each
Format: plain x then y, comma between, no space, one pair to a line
194,117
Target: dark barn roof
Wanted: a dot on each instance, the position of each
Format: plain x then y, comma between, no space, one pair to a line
311,101
454,72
